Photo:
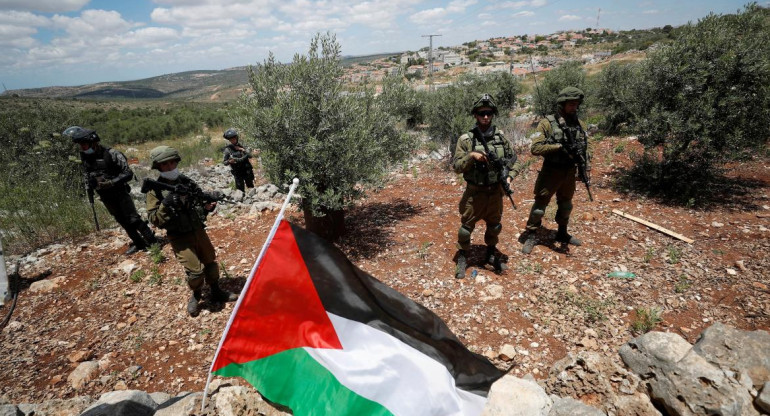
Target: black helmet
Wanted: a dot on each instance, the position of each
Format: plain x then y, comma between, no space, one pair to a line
570,94
230,133
484,101
81,135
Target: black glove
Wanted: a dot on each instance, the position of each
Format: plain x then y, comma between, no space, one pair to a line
172,200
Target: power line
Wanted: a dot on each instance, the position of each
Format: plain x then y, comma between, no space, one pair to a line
430,60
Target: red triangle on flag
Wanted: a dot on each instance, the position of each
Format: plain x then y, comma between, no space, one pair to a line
280,309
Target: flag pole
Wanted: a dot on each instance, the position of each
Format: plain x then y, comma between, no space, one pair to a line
269,239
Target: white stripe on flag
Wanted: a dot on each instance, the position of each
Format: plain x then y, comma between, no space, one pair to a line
385,370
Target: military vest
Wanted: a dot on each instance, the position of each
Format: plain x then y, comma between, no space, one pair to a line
101,165
237,154
559,136
484,173
187,218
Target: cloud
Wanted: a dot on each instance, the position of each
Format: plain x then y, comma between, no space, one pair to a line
538,3
651,11
428,16
17,28
569,18
525,13
459,6
92,23
45,6
513,4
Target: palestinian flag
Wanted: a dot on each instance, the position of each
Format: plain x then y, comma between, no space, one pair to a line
313,332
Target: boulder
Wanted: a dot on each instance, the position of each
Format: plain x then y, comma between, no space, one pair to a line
512,396
744,352
122,403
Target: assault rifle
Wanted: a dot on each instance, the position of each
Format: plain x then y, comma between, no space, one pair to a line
195,194
578,152
502,175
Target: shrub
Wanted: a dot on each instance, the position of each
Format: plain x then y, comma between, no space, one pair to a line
569,74
448,112
614,95
338,143
704,98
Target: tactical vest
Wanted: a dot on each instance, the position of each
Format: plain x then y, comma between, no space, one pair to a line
484,173
101,165
187,218
560,158
241,166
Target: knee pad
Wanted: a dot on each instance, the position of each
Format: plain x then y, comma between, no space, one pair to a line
494,229
565,206
537,213
464,233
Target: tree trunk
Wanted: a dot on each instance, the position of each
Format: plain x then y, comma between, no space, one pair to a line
331,226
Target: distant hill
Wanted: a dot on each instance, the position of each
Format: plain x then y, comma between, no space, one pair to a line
207,85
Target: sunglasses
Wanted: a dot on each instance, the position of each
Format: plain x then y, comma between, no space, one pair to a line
485,113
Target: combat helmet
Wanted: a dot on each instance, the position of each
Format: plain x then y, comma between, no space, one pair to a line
484,101
570,94
81,135
162,154
230,133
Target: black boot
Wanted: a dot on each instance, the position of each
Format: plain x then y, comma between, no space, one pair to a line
530,240
494,258
462,263
220,295
563,236
147,235
137,243
192,305
133,248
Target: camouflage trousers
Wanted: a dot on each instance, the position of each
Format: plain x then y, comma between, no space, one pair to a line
198,257
480,203
553,180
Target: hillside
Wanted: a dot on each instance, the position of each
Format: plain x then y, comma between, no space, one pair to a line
213,85
547,304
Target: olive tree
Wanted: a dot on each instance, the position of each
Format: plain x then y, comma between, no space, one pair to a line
705,97
569,74
307,125
448,109
614,95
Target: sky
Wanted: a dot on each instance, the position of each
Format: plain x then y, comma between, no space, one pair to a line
75,42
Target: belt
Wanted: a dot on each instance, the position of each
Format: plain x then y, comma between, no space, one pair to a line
484,188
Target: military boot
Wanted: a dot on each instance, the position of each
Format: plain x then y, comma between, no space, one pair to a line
563,236
529,241
147,235
462,263
192,305
494,258
220,295
133,248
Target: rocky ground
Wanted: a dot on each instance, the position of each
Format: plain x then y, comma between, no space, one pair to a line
86,301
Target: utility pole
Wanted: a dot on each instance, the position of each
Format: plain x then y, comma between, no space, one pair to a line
597,18
430,61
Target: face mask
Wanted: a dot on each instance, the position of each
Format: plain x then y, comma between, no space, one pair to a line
170,175
89,152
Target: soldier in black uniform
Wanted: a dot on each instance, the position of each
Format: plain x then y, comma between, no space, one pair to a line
107,173
237,158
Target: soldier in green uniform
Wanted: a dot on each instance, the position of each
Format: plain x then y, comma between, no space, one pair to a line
237,158
554,135
483,196
106,173
183,217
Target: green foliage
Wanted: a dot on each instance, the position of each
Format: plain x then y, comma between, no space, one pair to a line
156,254
41,191
682,285
137,276
151,123
401,101
569,74
338,143
448,112
646,320
703,99
614,95
156,279
674,254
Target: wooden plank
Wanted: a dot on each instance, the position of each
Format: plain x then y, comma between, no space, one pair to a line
654,226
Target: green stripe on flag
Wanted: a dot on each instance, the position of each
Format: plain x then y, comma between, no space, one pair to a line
294,379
